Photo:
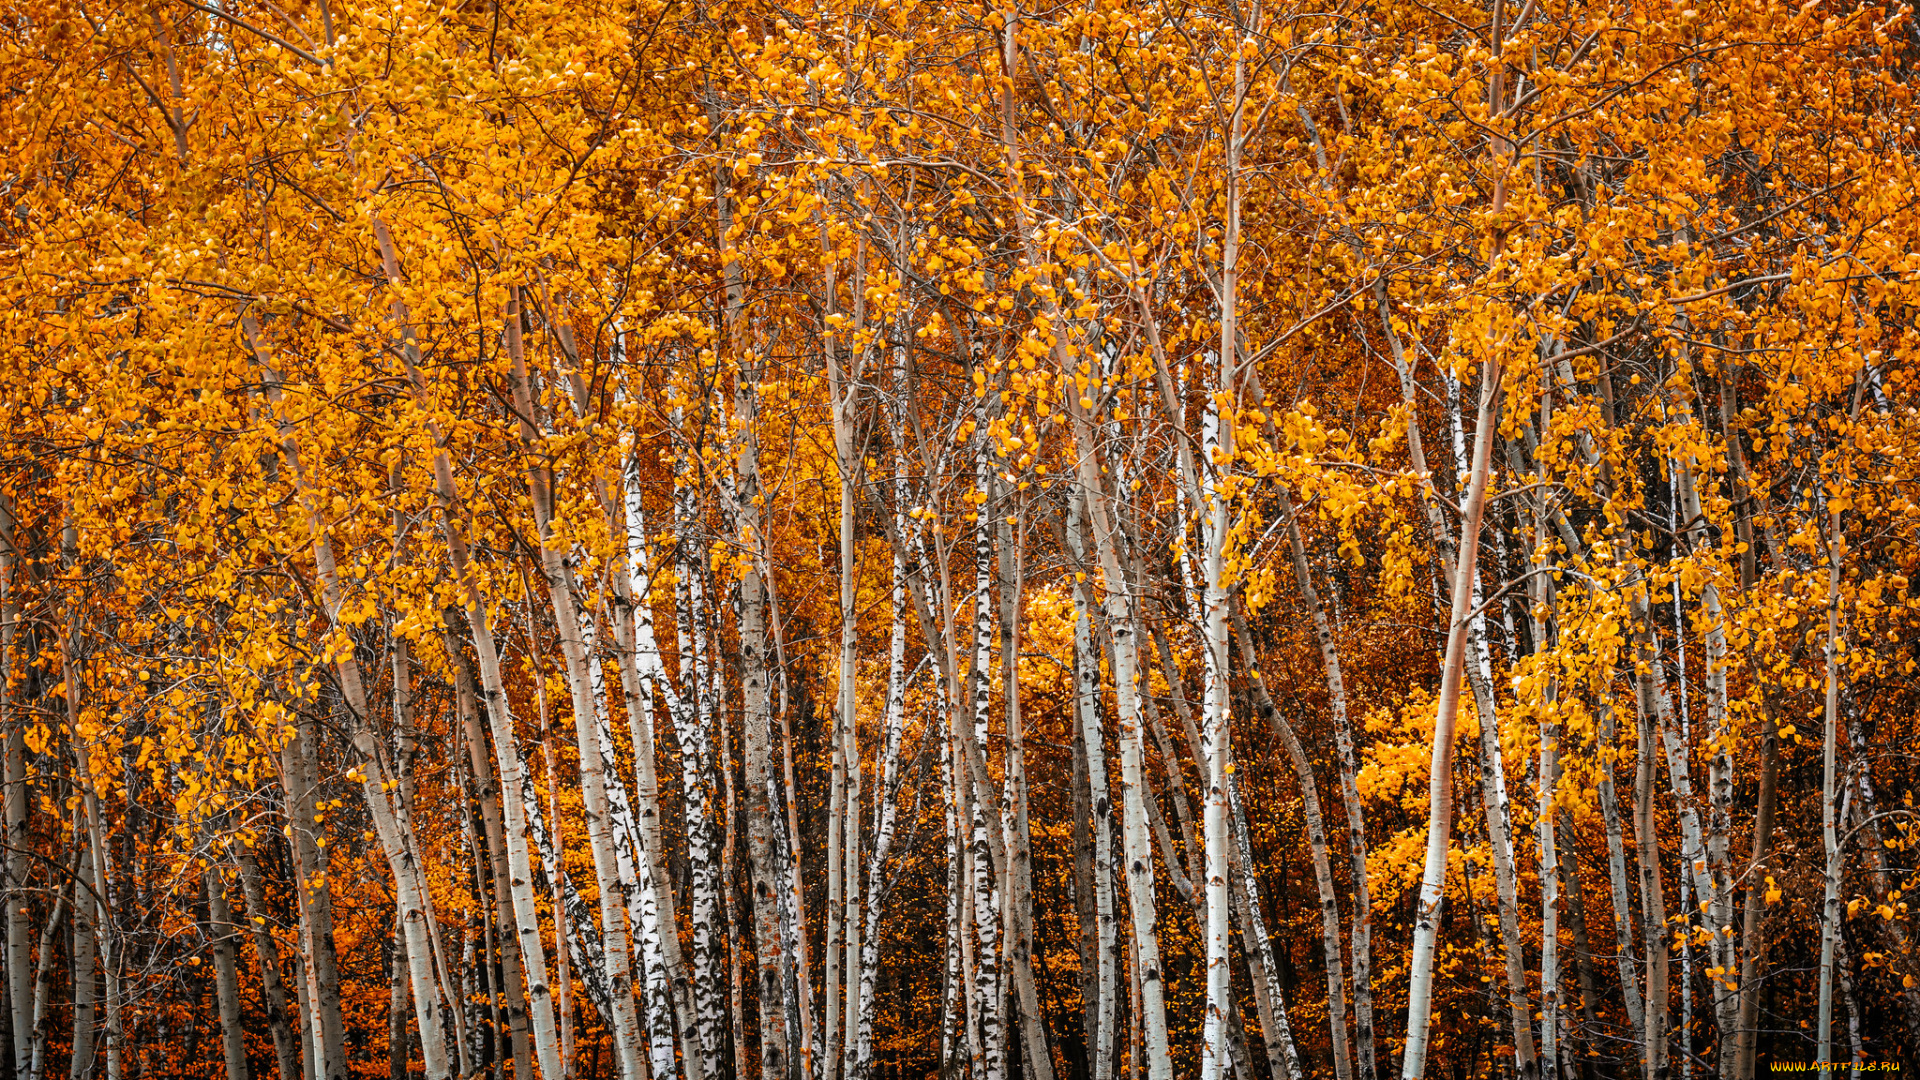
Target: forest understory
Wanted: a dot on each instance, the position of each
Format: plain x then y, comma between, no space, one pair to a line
1128,540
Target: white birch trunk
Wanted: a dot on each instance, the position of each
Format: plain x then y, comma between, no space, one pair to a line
885,812
1829,818
375,789
843,828
1619,890
1136,840
986,884
1440,787
1362,922
646,676
695,726
19,920
1086,671
590,731
1317,841
513,778
1493,783
1215,729
1281,1052
1719,762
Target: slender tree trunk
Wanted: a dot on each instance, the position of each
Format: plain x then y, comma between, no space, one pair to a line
1087,938
1753,916
1738,1046
267,955
643,674
1544,623
1283,1057
797,981
1858,814
1493,785
487,794
955,1030
1620,890
1086,672
316,905
990,873
1362,934
1216,734
221,932
1581,1039
594,780
758,766
1653,923
885,813
1549,904
1316,838
43,968
696,724
1037,1059
19,921
1829,818
1121,625
395,837
738,958
566,900
887,793
1216,728
776,1028
85,979
97,906
1719,913
514,783
843,807
1440,789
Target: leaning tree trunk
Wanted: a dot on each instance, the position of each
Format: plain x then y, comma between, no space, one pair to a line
1316,838
1447,706
594,780
487,794
519,806
1362,942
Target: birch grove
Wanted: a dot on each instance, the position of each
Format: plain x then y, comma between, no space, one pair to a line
982,541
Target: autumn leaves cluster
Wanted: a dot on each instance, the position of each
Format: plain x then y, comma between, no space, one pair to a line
1127,539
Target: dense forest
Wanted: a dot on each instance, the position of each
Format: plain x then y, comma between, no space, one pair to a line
973,540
